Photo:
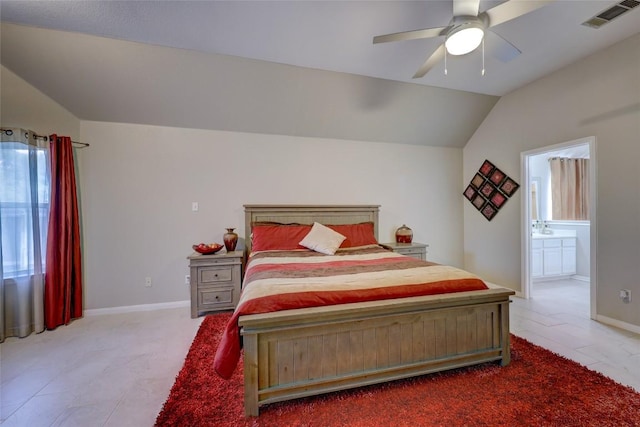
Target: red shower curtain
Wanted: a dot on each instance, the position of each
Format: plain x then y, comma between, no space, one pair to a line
63,279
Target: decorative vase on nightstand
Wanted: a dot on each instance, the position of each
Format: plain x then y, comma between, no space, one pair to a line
404,234
230,240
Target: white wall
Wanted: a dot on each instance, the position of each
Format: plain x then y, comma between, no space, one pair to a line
22,105
597,96
139,182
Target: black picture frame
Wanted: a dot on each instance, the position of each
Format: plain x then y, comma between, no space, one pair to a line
498,199
477,180
489,211
487,168
487,190
497,176
479,201
470,192
509,187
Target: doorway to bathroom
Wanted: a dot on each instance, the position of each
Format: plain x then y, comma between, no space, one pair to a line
558,225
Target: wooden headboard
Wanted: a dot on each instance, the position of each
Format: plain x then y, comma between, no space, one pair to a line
308,214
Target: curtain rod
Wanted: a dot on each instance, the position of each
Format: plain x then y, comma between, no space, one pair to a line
9,132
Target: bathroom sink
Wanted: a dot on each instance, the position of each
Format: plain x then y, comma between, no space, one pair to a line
543,232
548,232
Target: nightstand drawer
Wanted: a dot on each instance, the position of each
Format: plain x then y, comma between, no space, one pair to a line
214,297
412,253
211,275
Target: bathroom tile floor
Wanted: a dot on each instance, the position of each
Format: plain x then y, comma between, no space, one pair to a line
117,369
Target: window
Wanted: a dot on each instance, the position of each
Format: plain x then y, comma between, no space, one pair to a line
24,207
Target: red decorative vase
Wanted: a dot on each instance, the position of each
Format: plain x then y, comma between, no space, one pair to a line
230,240
404,234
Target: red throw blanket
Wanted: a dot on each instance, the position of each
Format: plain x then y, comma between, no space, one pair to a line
283,280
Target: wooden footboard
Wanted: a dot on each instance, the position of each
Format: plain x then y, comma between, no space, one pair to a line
297,353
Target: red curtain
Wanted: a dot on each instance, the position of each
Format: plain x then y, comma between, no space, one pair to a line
63,279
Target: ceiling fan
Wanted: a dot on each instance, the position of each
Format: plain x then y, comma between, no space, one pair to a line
467,30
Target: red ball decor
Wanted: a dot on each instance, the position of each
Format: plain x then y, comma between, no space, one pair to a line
404,234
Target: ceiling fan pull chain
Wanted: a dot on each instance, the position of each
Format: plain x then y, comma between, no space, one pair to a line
445,62
483,56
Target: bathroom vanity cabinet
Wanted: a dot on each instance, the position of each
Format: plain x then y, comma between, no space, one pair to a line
553,255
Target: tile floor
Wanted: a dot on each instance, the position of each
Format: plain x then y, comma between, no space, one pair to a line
117,370
106,370
557,318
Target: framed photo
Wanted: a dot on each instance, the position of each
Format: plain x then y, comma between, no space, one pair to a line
487,189
497,176
477,180
478,201
489,211
470,192
498,199
486,168
509,187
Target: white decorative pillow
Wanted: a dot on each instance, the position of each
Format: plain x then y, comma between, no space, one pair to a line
322,239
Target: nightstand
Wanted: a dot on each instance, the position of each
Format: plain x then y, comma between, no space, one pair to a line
416,250
216,281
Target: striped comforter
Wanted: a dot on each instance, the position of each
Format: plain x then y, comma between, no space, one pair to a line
282,280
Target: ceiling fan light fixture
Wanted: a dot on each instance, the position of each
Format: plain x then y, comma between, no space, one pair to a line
464,38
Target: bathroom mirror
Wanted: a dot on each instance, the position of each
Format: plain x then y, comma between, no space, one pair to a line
535,198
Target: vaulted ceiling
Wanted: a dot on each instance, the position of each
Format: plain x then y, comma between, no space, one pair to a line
306,68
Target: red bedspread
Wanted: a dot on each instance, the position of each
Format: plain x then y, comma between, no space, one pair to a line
282,280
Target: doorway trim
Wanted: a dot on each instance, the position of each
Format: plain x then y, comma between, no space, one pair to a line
526,216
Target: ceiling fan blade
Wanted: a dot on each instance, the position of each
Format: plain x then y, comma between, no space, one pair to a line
499,47
431,62
512,9
466,7
410,35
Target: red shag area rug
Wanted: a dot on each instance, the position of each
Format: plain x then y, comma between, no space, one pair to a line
538,388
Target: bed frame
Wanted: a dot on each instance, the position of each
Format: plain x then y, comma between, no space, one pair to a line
304,352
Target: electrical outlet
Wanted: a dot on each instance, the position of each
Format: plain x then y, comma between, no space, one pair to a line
147,282
625,295
187,280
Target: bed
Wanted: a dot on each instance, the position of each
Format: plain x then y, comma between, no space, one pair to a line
295,353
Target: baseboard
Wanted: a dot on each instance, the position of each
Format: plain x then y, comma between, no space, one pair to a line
543,279
134,308
581,278
618,324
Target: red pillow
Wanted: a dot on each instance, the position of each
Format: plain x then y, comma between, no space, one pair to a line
278,237
356,234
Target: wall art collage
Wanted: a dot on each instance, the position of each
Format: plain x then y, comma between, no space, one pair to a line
490,189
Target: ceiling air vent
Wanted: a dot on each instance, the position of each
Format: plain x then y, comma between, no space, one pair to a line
611,13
